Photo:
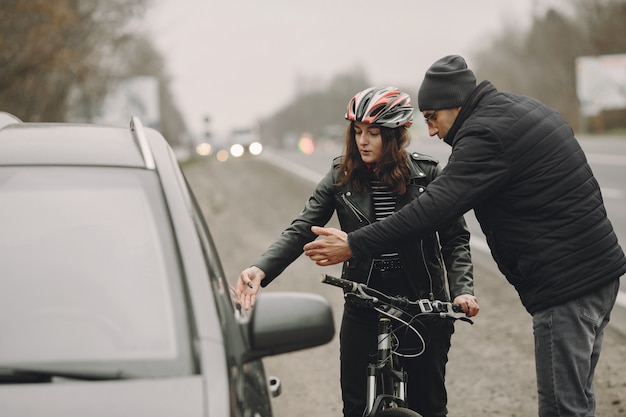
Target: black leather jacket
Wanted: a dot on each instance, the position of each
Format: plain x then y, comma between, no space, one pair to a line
425,260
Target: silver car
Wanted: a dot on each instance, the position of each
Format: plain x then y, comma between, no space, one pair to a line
113,301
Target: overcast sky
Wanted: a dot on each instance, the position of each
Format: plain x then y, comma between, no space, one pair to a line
237,61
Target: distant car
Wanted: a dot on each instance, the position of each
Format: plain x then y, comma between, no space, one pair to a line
245,141
113,301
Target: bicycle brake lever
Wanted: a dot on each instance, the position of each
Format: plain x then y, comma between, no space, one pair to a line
360,300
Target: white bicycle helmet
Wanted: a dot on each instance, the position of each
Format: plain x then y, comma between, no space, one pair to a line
382,106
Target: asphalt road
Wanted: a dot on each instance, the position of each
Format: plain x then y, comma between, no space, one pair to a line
249,201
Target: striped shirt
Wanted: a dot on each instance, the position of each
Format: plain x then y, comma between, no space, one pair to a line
384,206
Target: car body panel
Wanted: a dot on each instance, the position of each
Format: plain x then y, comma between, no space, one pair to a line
181,397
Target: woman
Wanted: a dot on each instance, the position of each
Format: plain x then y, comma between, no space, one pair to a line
374,178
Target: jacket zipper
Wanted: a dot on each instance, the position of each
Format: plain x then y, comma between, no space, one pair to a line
355,210
431,295
360,217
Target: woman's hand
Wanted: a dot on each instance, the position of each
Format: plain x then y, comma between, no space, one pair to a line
248,285
469,303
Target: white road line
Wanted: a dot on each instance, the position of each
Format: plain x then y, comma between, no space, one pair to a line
621,299
606,159
612,193
292,167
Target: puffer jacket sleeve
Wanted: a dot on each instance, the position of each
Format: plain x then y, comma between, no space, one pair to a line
476,169
317,211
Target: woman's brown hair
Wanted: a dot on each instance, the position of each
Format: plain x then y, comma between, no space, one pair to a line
393,167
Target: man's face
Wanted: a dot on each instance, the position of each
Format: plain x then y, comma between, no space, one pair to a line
440,121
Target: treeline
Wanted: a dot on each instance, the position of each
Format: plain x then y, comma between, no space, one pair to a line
314,111
58,59
539,62
542,62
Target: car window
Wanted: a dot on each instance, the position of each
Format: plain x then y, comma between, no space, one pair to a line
220,285
228,309
88,269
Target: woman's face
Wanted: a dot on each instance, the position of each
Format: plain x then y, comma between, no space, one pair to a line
369,141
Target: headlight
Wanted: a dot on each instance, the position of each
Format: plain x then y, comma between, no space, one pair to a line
222,155
204,149
236,150
255,148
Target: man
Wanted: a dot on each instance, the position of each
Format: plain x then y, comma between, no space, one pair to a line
517,163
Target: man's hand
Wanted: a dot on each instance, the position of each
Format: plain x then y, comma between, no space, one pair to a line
330,250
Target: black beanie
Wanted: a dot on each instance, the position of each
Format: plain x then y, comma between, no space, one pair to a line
447,83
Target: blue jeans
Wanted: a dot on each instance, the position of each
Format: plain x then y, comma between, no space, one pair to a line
568,340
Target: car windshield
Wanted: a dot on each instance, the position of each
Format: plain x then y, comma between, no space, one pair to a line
88,271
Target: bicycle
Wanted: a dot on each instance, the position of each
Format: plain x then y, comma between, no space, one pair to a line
386,380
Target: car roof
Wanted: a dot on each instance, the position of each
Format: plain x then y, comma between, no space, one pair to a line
74,144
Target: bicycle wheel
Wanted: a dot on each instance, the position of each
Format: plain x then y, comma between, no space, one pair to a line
398,412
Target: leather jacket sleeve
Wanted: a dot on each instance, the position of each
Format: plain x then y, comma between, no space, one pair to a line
455,249
317,211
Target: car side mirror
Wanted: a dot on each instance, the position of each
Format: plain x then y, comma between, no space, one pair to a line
284,322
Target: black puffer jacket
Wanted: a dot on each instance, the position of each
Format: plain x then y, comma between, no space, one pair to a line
446,250
517,163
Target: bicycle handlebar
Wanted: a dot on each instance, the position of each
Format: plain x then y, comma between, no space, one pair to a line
372,297
347,285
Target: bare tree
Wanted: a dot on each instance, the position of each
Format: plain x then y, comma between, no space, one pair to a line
603,25
49,47
142,58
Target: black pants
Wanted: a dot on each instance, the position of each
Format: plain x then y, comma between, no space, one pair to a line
426,393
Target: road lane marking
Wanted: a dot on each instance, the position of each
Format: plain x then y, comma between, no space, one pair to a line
612,193
606,159
292,167
621,299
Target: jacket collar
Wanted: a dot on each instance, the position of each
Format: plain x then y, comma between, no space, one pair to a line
468,108
416,170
